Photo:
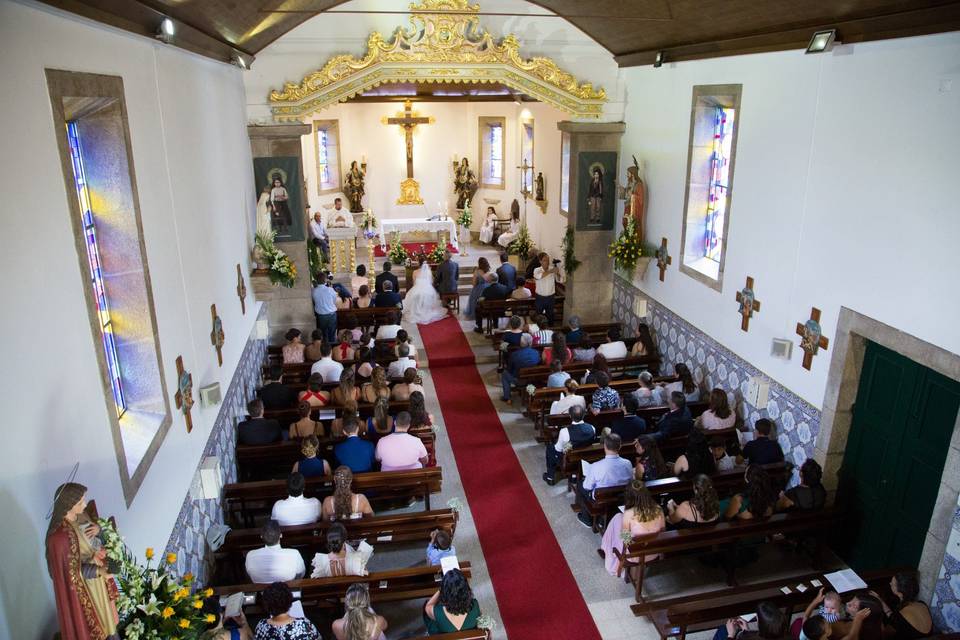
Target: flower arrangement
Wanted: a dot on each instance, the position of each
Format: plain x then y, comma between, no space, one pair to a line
153,603
281,269
396,253
466,217
570,262
455,503
369,225
627,249
520,245
436,254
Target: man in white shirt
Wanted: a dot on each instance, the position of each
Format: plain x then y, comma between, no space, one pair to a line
577,434
402,363
296,509
611,471
389,331
614,348
546,277
326,366
318,234
273,563
570,399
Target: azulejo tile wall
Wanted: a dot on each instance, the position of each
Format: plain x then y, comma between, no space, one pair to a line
797,421
188,539
945,603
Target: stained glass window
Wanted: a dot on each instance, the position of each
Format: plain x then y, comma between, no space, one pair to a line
96,272
490,134
719,182
495,159
323,164
326,137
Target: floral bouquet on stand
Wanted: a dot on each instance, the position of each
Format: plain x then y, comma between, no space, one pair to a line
281,269
396,253
627,249
436,254
520,246
369,225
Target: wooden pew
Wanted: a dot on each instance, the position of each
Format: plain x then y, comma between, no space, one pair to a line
476,634
390,529
728,535
553,423
592,332
245,501
368,319
537,375
489,311
289,415
503,355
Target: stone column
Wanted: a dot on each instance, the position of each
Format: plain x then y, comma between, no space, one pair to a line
287,308
590,290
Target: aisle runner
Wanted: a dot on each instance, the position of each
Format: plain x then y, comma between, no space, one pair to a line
537,594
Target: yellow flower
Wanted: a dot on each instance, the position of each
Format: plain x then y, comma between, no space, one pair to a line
180,594
210,618
171,558
198,604
167,612
149,553
184,623
188,577
207,592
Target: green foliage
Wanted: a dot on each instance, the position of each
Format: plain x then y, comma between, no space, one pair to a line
570,262
520,245
281,269
396,253
627,249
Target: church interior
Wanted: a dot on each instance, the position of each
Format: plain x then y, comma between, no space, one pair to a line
481,320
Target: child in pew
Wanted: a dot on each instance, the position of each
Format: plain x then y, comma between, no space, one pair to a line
725,462
440,547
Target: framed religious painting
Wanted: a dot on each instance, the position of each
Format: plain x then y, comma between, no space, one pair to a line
280,196
596,190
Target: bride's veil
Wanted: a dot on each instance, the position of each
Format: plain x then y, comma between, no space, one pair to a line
425,270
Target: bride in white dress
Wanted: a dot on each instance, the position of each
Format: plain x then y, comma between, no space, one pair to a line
422,303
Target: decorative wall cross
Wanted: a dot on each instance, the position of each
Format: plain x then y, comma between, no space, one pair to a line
184,396
241,290
216,335
663,258
408,121
811,337
748,304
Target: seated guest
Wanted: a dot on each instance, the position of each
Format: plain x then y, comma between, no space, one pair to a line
380,423
344,504
295,509
759,501
641,515
610,471
613,348
359,619
584,352
419,417
696,458
542,333
360,279
314,395
723,460
599,365
514,330
558,377
388,297
377,387
685,383
272,563
568,399
908,617
520,291
280,625
306,425
351,323
577,434
647,394
326,366
363,299
411,382
638,348
337,424
676,422
809,495
312,351
440,547
575,334
771,625
496,291
558,350
453,608
389,331
311,466
346,394
341,558
274,393
404,338
719,415
383,350
293,350
762,449
630,426
400,450
365,362
343,299
650,465
702,508
525,356
343,352
402,363
604,397
354,452
256,429
220,628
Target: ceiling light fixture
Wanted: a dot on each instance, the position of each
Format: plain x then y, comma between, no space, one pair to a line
658,60
165,30
822,41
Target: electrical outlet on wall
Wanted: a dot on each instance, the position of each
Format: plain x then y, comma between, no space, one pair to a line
781,348
758,392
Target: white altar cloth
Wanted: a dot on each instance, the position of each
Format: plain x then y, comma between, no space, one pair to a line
389,225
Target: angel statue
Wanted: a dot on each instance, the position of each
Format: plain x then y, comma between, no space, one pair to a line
464,183
353,186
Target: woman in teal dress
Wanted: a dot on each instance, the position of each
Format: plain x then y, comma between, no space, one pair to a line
453,608
759,501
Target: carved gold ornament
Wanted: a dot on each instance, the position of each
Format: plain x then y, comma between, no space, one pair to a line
444,44
409,192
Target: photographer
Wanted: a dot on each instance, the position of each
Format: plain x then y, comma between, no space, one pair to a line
547,275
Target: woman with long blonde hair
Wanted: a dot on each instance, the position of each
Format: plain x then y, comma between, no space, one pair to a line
359,621
380,423
641,515
344,504
377,387
347,394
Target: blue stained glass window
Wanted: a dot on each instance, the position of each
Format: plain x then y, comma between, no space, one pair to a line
96,272
718,197
323,139
496,152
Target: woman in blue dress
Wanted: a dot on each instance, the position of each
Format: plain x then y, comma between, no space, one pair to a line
482,278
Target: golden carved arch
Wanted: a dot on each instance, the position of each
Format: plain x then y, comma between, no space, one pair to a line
444,44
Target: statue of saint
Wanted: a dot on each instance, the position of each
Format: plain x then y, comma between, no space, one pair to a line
353,186
464,183
84,589
595,196
538,188
635,193
264,209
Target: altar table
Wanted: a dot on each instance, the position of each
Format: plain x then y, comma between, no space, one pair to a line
389,225
343,249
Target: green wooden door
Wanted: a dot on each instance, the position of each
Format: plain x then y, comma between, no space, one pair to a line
903,420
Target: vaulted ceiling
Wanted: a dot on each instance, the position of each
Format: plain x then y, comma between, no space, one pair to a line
632,30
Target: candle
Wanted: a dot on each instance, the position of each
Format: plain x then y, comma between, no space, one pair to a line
363,159
454,158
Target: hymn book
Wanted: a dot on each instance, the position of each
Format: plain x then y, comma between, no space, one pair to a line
845,580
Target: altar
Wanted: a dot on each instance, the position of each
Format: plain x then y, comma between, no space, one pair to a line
343,249
402,225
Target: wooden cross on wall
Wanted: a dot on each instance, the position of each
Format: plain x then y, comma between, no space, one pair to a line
663,258
408,121
184,396
241,290
216,335
748,304
811,337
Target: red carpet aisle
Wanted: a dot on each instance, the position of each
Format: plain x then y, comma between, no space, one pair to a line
535,589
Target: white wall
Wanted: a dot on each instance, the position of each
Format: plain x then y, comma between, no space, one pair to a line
192,158
845,192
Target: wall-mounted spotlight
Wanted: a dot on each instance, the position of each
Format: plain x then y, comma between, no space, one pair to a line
658,60
165,30
822,41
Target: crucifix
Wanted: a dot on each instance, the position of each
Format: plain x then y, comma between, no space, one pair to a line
241,290
748,304
408,121
184,396
216,335
663,258
811,337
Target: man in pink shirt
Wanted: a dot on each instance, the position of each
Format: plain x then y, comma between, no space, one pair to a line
400,450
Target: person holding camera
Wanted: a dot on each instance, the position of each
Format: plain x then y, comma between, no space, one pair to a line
546,276
325,308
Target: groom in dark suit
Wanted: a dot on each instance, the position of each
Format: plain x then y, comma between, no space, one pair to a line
447,276
386,276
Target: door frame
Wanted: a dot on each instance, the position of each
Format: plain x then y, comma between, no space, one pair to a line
843,381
